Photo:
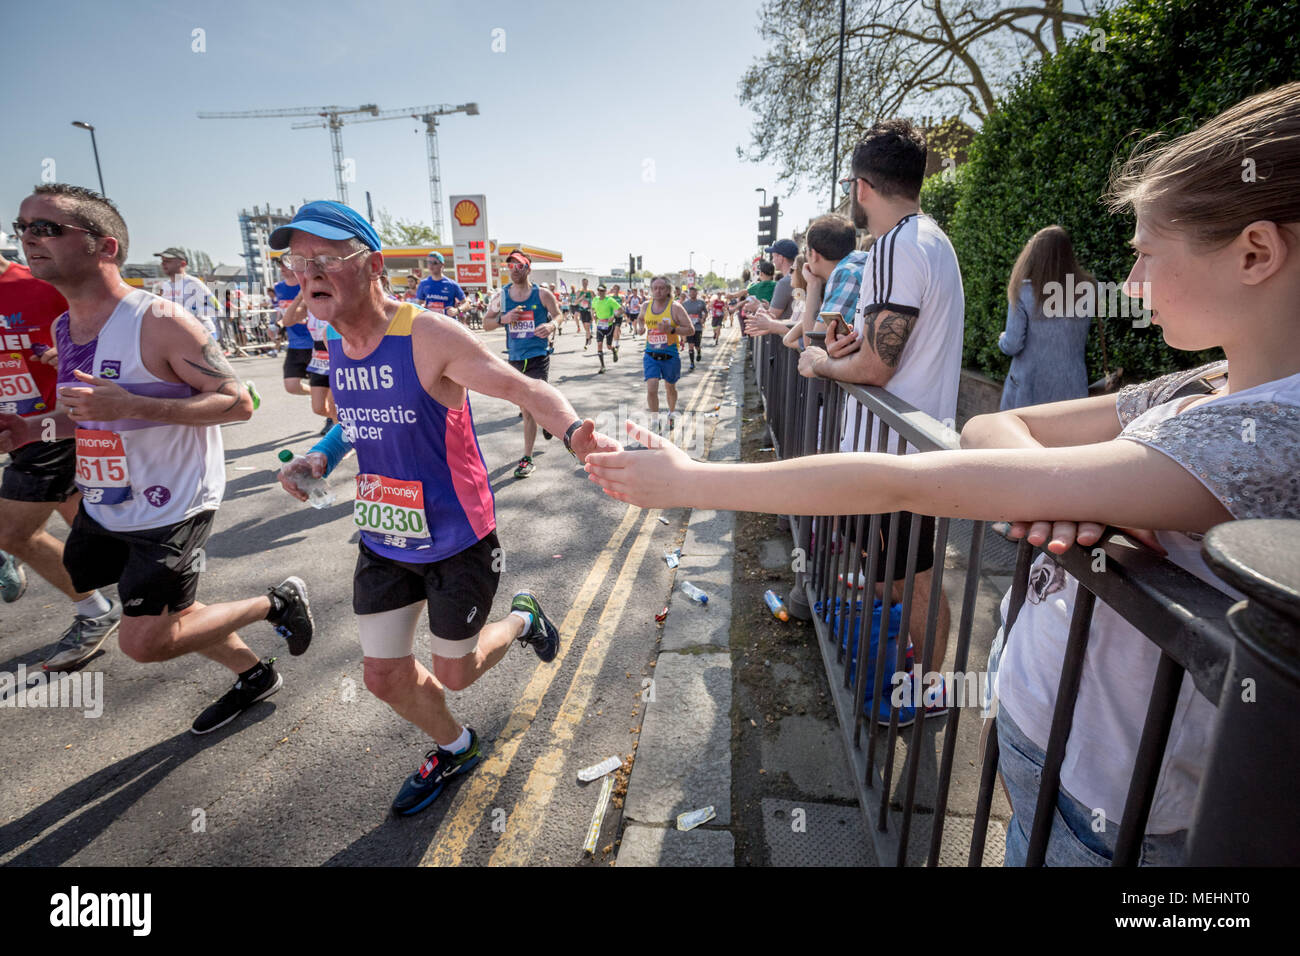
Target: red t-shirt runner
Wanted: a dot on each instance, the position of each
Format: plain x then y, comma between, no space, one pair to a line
28,308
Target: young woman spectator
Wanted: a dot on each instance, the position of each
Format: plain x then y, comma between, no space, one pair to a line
1222,259
1046,332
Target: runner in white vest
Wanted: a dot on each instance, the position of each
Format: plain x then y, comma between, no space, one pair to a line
143,389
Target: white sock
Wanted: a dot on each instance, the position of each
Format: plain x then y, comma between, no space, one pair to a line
526,618
94,606
461,743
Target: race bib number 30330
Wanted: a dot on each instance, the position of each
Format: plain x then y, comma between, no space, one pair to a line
102,474
393,509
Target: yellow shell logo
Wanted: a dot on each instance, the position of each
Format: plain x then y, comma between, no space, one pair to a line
466,212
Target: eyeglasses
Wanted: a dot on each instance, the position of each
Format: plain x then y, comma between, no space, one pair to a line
45,229
324,263
847,184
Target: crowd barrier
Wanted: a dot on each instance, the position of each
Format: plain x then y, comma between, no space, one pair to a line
1242,656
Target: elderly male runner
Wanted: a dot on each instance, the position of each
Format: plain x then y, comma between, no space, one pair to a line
424,504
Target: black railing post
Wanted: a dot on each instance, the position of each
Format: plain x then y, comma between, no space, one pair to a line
1249,798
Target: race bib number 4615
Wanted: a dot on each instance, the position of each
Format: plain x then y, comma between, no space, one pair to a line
392,509
102,474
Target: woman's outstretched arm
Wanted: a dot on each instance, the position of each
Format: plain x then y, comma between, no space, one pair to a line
1121,483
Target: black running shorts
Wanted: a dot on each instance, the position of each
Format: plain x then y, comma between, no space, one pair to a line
537,367
606,334
41,471
459,589
295,362
156,571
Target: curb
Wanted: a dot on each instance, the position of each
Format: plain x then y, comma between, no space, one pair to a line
683,760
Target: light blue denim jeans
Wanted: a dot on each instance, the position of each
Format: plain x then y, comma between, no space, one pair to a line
1072,840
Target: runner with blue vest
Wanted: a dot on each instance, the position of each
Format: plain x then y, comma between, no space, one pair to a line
298,343
143,389
528,314
424,507
437,293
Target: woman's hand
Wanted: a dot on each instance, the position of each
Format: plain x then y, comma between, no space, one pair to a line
654,478
1060,536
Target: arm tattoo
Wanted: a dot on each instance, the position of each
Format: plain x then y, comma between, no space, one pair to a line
887,334
215,366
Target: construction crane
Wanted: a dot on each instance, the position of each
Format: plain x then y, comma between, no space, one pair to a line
333,120
429,115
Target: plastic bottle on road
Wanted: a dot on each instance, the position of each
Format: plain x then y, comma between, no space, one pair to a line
776,605
317,491
694,593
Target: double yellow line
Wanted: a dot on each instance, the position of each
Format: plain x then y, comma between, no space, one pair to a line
473,799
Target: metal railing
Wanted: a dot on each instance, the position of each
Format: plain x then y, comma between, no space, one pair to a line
1245,812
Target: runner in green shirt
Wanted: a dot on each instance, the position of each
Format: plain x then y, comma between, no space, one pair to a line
582,305
607,308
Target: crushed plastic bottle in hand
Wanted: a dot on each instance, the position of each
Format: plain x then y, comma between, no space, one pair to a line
317,491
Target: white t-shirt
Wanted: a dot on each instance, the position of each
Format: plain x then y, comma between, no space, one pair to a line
913,268
193,296
1253,479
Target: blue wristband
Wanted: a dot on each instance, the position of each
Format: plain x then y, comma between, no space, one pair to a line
333,446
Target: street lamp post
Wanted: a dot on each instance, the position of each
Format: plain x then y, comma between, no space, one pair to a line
690,263
93,145
760,189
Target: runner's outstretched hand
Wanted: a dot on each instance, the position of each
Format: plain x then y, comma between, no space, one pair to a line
653,478
586,441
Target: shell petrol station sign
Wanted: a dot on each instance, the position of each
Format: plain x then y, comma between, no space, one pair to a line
470,245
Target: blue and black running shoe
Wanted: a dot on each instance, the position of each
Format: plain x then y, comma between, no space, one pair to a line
544,636
422,787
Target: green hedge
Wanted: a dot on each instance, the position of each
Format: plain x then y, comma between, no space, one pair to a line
1044,157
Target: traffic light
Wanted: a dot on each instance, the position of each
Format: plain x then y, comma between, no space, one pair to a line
638,264
631,266
767,216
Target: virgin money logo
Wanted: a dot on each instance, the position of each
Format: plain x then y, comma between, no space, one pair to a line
370,487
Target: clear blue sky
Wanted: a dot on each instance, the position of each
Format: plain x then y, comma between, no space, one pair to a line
582,97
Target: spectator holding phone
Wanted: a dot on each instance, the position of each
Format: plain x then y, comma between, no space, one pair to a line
833,274
1046,334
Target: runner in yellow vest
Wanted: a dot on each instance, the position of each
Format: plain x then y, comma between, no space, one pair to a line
664,322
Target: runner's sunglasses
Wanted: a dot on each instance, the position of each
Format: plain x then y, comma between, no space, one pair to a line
45,229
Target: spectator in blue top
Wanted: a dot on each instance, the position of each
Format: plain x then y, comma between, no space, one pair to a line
436,293
1047,324
833,273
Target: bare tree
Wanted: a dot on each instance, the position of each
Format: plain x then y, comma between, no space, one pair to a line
901,57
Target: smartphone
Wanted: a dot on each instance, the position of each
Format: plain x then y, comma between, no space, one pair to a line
834,320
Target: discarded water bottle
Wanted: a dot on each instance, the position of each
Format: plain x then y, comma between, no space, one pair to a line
694,593
317,491
776,605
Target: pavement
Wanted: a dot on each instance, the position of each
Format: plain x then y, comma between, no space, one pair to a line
306,777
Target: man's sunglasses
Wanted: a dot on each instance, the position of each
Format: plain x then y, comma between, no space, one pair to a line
45,229
295,263
847,184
